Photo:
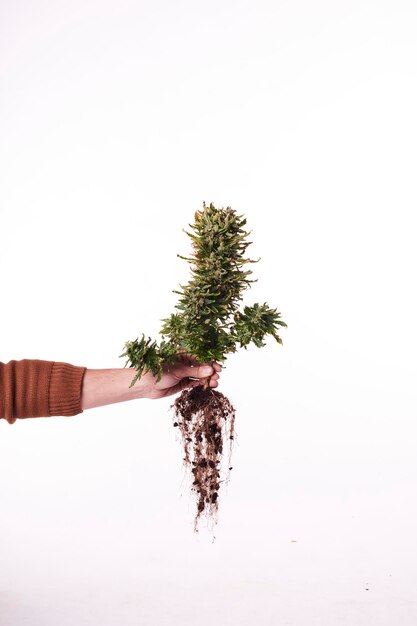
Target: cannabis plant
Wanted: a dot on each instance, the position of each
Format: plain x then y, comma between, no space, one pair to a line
208,324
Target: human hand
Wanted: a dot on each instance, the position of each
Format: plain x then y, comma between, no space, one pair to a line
184,373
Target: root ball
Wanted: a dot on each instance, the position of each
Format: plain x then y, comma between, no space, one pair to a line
206,420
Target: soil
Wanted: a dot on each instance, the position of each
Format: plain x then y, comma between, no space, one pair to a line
206,420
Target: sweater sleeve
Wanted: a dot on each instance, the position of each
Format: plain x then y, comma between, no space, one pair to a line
34,388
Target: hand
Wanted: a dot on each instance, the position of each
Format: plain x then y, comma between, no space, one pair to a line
185,372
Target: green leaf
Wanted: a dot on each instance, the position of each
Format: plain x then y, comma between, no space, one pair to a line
207,321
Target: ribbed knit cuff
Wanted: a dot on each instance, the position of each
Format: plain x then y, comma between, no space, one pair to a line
65,389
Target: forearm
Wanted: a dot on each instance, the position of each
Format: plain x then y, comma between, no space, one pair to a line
108,386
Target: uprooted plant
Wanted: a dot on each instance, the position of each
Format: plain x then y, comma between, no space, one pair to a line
209,326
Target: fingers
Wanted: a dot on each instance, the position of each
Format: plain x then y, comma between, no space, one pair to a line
198,371
187,358
194,364
186,383
194,383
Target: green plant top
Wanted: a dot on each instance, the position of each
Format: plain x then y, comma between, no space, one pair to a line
208,323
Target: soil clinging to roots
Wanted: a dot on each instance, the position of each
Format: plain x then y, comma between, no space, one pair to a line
206,420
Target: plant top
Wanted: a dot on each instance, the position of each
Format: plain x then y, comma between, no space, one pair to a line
208,323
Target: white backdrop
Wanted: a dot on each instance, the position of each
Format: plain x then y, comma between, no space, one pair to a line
117,119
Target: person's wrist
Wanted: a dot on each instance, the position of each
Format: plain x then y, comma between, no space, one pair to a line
138,390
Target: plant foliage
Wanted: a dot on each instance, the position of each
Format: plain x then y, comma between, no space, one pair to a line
208,322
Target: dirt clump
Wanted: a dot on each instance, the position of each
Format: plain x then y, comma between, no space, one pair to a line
205,419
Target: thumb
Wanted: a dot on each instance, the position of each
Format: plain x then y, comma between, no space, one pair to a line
202,371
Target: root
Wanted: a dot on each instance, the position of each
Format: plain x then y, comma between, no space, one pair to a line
206,420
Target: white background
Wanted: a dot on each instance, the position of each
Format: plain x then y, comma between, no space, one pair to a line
117,120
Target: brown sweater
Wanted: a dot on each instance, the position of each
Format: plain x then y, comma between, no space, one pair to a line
34,388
